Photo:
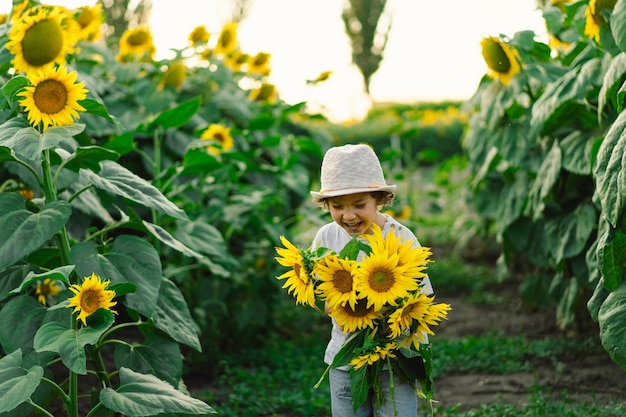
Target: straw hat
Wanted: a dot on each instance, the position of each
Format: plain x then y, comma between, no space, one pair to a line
351,169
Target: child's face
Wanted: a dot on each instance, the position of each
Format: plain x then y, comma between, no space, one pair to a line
354,212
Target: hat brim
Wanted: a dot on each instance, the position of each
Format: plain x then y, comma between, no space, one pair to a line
346,191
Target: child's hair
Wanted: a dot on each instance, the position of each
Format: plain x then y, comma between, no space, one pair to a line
383,199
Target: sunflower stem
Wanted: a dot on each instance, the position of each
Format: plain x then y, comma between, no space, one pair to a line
49,189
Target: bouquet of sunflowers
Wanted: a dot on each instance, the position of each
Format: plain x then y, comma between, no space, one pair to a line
378,300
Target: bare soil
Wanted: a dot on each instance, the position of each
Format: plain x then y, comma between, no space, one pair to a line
592,378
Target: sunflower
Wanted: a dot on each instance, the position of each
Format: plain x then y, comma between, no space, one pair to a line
260,64
336,278
357,318
379,353
52,100
90,19
220,134
235,60
593,17
46,289
41,38
90,296
414,317
199,36
174,76
266,92
298,282
502,59
227,40
381,280
136,44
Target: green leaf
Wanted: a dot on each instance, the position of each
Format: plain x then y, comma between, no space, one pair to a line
198,161
359,386
20,318
16,383
58,337
118,180
346,353
89,157
546,177
165,237
618,24
612,81
96,108
577,149
172,316
23,231
61,273
22,140
609,171
574,229
206,239
14,86
352,249
145,395
122,144
612,255
55,135
179,115
158,355
612,321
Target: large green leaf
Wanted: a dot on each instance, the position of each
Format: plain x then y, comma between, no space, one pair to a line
58,337
22,140
612,321
89,157
609,171
573,231
612,257
172,316
157,355
20,318
577,150
145,395
572,86
618,24
23,231
545,179
613,80
130,259
61,273
179,115
359,386
16,383
118,180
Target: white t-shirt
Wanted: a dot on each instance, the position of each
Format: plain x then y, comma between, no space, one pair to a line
334,237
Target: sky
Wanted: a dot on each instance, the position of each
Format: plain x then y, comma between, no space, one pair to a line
433,51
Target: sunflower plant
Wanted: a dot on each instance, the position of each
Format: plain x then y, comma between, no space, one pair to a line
373,288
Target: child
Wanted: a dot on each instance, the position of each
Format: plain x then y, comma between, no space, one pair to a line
353,190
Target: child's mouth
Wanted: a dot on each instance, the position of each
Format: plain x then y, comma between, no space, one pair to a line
353,227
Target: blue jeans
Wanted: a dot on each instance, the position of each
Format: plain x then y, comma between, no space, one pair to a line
341,401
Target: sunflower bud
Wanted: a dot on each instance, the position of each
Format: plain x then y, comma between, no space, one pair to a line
500,58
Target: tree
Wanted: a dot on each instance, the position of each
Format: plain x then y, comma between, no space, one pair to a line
361,19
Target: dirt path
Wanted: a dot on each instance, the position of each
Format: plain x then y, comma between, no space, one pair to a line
584,378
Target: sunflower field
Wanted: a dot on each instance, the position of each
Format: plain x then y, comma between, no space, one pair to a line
545,141
141,201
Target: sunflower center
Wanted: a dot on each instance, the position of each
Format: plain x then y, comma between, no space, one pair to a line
138,38
360,309
342,280
90,301
50,96
381,280
85,18
495,57
42,43
297,268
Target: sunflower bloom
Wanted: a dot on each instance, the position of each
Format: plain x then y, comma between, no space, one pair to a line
199,36
235,60
381,280
90,296
220,134
266,92
46,289
502,59
298,282
227,40
136,44
52,100
174,76
593,17
379,354
90,20
260,64
414,317
353,319
41,38
336,278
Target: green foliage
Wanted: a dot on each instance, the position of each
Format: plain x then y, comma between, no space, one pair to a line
545,153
